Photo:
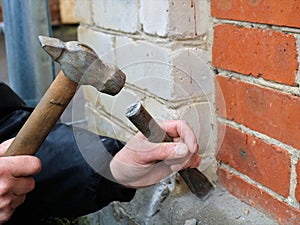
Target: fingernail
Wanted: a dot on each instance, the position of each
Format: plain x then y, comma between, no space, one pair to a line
180,150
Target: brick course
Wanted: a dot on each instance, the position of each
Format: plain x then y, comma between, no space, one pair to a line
260,53
277,12
256,197
265,110
257,101
264,163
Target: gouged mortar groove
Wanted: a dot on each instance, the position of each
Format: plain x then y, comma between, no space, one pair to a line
170,104
293,183
256,25
160,41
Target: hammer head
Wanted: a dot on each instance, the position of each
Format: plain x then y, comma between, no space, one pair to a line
82,65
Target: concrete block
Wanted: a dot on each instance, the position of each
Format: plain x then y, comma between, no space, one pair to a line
101,43
83,11
116,14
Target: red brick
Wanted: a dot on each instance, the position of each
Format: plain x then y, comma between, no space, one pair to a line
298,182
264,163
260,53
258,198
54,12
265,110
1,17
277,12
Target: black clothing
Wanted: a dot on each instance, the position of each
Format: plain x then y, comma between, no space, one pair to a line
67,186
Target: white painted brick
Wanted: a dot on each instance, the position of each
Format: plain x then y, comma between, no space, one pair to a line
103,125
188,19
191,74
83,11
169,74
91,95
116,106
175,18
154,16
145,64
101,43
120,15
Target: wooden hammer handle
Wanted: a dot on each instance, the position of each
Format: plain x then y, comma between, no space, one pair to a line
43,118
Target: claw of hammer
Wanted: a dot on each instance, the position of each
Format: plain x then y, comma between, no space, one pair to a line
82,65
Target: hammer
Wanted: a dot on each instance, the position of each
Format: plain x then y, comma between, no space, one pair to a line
79,65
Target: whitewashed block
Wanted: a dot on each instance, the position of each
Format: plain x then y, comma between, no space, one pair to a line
83,11
117,15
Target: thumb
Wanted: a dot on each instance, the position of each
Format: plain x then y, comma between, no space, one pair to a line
164,151
4,146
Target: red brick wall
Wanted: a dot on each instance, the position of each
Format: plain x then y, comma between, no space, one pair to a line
1,17
256,53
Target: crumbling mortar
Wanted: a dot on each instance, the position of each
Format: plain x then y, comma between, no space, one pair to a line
166,42
298,47
293,183
260,81
292,151
256,25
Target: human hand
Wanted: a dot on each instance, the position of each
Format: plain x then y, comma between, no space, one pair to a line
142,163
15,180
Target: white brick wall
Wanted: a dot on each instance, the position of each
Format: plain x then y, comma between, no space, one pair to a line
161,45
179,19
83,11
116,15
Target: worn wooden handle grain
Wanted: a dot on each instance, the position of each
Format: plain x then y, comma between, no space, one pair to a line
43,118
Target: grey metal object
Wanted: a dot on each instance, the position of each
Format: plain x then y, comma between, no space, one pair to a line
30,70
83,66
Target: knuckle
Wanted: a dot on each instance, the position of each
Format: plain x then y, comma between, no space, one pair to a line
4,188
30,183
5,214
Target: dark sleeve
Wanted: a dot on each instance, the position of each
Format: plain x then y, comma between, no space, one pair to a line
75,179
68,185
10,101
